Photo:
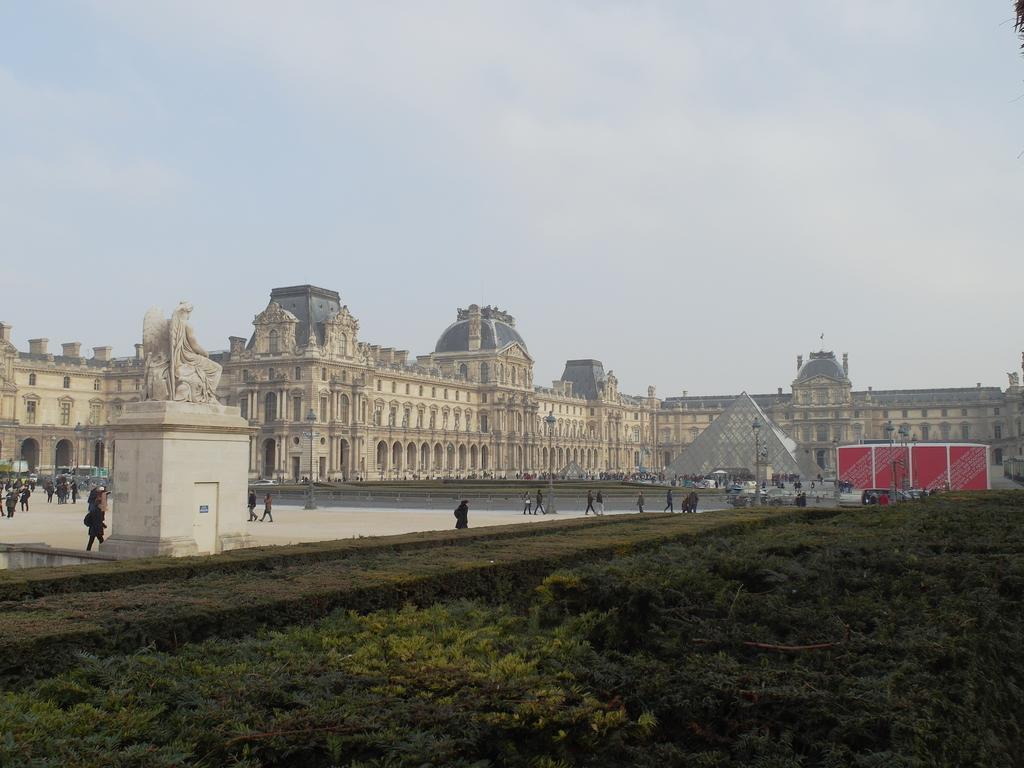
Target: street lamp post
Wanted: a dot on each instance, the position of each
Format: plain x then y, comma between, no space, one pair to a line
889,429
756,427
904,434
835,453
310,491
550,421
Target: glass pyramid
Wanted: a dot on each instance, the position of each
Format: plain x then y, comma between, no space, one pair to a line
728,444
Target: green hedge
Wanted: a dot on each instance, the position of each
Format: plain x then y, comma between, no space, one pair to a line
37,582
886,637
42,634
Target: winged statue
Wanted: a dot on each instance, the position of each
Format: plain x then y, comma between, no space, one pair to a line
176,366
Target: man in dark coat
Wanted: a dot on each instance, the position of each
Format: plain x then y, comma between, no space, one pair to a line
590,504
669,507
94,517
462,515
252,505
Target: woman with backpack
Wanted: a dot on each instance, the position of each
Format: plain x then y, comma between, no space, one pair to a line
94,517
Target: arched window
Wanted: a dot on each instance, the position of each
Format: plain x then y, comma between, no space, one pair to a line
31,379
67,382
515,377
485,372
274,343
464,371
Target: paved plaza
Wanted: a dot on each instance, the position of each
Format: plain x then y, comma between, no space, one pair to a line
60,525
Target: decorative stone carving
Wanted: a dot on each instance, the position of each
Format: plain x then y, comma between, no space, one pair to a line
275,330
176,366
340,334
1014,379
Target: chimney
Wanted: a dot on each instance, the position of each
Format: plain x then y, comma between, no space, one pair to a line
780,390
978,385
101,353
72,349
5,333
799,362
846,363
139,352
37,346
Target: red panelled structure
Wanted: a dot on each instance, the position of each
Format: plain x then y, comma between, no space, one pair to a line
952,466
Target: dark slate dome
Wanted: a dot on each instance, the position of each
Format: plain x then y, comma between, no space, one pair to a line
821,364
497,331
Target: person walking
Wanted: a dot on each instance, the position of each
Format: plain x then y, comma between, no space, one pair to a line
268,502
48,487
600,503
25,493
590,504
251,503
640,502
74,491
527,503
462,515
668,502
540,502
94,518
12,501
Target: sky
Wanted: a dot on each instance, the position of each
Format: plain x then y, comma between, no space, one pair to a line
691,192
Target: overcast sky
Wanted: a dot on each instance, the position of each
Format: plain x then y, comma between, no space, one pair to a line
692,192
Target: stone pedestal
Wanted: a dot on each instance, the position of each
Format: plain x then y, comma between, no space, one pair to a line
180,480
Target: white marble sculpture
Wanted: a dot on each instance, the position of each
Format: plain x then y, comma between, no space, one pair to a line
177,367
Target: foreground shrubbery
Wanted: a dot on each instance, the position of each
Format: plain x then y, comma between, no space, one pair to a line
880,638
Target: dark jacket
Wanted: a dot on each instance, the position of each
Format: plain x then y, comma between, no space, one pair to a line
95,520
462,515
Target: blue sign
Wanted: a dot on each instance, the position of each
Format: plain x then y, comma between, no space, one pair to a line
203,509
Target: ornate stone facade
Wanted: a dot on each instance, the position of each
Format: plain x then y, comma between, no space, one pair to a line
469,407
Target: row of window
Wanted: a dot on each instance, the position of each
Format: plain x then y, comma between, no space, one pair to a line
97,384
95,412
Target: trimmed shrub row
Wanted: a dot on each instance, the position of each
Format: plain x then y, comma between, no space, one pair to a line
37,582
883,637
40,635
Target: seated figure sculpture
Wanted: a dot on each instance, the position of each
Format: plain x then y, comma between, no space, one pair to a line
177,367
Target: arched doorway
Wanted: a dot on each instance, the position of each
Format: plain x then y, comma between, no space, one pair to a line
462,457
65,453
396,456
30,454
473,457
382,457
410,457
269,458
483,457
438,456
424,457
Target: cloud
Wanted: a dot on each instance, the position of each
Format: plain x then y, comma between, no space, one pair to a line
669,171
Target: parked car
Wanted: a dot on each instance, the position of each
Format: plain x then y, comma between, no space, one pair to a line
261,481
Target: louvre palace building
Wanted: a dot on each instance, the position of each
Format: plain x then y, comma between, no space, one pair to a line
469,408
